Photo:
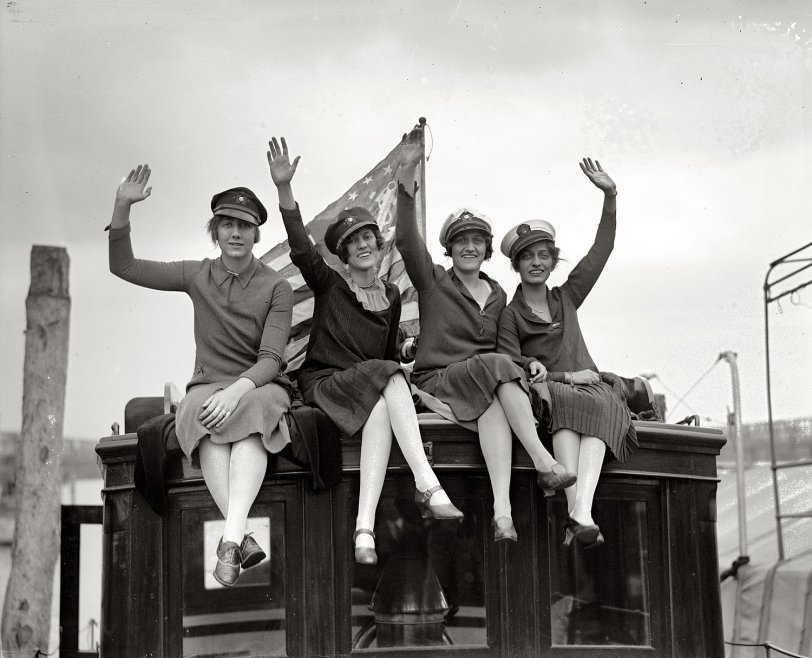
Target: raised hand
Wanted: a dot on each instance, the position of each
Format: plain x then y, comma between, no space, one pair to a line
279,163
597,175
410,149
133,187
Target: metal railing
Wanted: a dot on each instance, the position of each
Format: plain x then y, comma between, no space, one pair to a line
771,295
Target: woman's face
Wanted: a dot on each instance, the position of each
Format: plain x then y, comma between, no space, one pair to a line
362,250
468,251
236,237
535,263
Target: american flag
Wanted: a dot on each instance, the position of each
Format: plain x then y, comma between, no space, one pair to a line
377,192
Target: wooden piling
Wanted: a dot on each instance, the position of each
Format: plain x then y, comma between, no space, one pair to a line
27,609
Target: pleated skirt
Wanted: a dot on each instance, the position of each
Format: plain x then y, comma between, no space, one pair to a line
469,386
348,396
259,412
593,410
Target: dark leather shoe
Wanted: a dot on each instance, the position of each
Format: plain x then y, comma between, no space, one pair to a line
588,536
441,512
228,563
504,530
252,553
364,555
556,478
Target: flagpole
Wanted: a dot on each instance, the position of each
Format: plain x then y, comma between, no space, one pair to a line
421,124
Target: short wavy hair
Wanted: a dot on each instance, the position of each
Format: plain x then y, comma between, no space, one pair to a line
343,254
214,224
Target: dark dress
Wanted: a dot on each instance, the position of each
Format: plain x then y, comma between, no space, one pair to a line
590,409
351,351
456,360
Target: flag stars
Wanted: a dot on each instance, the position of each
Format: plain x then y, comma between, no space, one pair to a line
353,195
387,169
367,180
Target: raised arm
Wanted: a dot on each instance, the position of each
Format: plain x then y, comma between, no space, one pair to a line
408,241
302,252
585,274
150,274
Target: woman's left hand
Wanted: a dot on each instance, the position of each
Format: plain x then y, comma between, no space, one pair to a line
538,373
597,175
217,409
585,377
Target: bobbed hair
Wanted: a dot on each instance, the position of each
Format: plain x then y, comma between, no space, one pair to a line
214,224
343,252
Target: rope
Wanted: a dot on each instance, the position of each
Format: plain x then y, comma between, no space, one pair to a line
694,385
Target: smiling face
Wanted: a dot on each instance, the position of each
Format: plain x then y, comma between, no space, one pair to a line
236,238
468,251
362,250
535,262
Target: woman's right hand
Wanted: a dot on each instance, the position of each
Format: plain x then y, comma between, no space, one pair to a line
133,187
282,169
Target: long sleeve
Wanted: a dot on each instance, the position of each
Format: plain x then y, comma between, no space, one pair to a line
274,336
585,274
303,254
508,341
392,351
411,246
147,273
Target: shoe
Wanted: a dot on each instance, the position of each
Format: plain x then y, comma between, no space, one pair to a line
364,555
251,552
556,478
503,529
228,563
588,536
442,512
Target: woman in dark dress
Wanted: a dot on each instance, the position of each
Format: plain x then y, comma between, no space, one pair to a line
351,369
232,414
539,329
456,363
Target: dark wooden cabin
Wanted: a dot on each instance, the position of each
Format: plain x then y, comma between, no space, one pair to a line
439,588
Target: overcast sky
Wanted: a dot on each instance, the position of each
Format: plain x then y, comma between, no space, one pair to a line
700,112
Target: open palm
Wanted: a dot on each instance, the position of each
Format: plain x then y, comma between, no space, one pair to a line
597,175
133,187
279,163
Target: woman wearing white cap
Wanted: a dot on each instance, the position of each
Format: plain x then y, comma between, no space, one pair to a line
351,370
232,414
456,361
539,329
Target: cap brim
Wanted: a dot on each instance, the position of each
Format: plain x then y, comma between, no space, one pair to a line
237,212
352,229
527,240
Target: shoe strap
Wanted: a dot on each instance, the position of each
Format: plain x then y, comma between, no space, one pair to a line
428,493
362,531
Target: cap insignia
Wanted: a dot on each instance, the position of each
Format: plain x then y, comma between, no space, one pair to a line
522,229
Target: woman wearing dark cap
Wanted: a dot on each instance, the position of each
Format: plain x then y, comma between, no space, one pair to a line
351,369
456,361
232,414
539,330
